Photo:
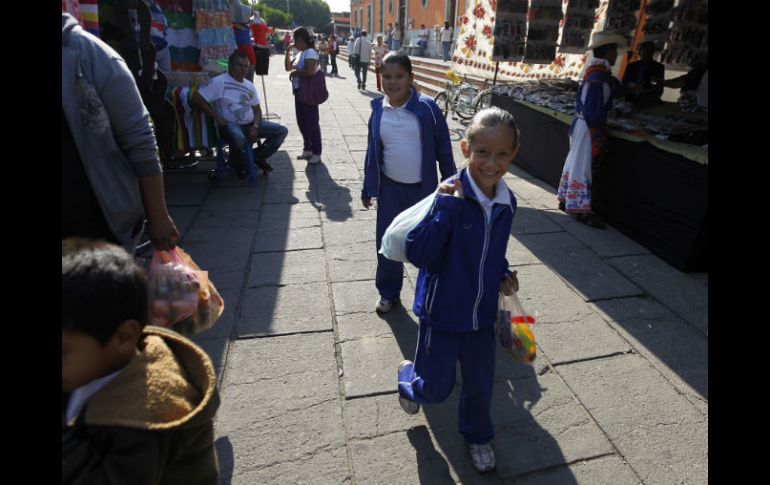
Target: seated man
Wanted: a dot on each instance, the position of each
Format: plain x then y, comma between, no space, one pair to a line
643,79
423,35
239,115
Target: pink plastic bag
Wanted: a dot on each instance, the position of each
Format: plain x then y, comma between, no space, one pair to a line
173,289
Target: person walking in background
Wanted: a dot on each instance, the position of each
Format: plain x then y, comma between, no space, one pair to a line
396,36
362,49
423,35
460,249
334,49
389,38
380,50
407,136
111,175
446,40
305,64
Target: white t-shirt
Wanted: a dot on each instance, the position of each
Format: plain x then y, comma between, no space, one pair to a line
402,146
446,34
233,101
424,34
363,48
299,63
396,34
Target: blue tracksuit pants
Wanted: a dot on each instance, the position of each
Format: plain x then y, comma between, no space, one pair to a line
432,377
394,198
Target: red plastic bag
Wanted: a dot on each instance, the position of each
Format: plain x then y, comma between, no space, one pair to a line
513,329
180,294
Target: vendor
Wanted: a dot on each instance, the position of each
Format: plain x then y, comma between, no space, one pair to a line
643,79
588,138
696,80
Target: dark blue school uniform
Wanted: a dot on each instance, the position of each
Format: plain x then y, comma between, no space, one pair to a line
394,197
461,256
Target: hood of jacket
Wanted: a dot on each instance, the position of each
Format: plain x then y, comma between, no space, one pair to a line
68,22
170,384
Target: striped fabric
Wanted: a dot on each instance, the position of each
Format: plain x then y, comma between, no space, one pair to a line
194,129
89,10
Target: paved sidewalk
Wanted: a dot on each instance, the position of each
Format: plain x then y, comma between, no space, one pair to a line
618,394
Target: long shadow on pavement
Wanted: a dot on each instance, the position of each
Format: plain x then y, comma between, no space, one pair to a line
521,445
633,289
326,195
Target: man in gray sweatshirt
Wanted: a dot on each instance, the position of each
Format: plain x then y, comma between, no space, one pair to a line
111,175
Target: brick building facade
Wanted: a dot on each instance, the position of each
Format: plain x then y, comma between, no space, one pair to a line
375,15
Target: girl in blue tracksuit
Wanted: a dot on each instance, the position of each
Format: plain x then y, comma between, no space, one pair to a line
407,135
460,249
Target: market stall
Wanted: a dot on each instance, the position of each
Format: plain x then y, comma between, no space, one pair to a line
653,184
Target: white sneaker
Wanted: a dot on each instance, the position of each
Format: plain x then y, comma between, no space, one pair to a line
314,159
409,407
483,457
305,155
385,305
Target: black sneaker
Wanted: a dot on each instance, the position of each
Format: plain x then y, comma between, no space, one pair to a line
266,167
241,172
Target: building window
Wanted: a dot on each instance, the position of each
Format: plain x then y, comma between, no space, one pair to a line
390,7
424,3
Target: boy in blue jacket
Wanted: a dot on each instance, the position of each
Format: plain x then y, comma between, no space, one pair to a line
460,250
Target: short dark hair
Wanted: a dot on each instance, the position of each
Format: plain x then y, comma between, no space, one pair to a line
236,54
397,58
364,33
603,51
102,287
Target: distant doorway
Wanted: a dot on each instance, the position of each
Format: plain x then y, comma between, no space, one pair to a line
401,18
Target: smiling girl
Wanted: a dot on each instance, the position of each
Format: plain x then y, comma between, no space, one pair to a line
460,249
407,135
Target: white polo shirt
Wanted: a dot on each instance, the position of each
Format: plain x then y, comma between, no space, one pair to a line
501,195
400,137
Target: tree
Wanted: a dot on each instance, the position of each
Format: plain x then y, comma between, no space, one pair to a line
274,17
308,13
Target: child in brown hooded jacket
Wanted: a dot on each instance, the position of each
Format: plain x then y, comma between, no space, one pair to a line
138,402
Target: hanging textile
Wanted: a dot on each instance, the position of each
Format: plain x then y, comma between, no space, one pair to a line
473,54
195,129
214,29
182,40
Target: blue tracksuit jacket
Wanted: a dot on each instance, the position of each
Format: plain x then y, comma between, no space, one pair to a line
432,127
461,259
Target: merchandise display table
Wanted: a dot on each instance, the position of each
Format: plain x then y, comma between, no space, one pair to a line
655,191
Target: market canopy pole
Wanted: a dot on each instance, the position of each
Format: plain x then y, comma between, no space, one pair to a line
497,66
638,35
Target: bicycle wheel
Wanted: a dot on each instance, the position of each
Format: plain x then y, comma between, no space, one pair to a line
463,102
442,100
482,101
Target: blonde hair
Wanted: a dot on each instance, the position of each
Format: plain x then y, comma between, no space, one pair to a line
489,117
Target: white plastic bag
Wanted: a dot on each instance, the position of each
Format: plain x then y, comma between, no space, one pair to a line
393,244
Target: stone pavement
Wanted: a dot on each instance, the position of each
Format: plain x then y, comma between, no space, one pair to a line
618,394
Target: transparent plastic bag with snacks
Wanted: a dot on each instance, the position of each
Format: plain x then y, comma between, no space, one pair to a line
513,329
181,296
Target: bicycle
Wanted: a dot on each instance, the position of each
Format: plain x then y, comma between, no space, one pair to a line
458,96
